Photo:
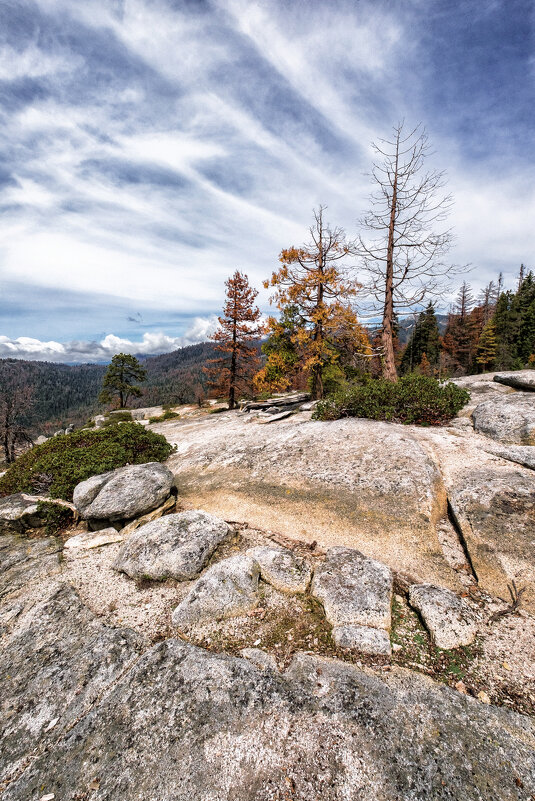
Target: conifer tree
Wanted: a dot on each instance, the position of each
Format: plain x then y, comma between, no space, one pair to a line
315,279
487,348
239,327
123,370
425,339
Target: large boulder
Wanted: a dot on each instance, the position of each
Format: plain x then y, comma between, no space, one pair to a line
494,508
356,593
24,561
18,513
177,546
508,419
124,493
523,380
281,568
227,589
448,618
54,669
182,723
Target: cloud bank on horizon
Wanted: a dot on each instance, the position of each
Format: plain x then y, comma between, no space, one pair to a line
151,147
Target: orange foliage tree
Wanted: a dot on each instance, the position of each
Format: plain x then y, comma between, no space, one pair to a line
239,327
314,279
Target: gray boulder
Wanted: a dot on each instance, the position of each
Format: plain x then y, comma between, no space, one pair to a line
177,546
523,380
282,569
449,619
56,666
364,639
182,723
124,493
353,589
227,589
508,419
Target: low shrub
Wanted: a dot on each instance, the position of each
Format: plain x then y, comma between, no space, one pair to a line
121,416
58,465
413,398
167,415
56,518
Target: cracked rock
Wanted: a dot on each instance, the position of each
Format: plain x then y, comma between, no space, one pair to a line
363,639
448,618
281,568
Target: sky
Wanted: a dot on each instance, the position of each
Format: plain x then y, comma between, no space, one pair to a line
150,148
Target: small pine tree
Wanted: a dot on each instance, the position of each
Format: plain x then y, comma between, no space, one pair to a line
238,328
424,367
487,348
121,374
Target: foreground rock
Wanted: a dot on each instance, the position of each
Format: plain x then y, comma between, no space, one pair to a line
24,561
185,724
523,379
227,589
87,540
282,569
53,670
448,618
124,493
20,512
353,589
363,639
509,419
177,546
494,508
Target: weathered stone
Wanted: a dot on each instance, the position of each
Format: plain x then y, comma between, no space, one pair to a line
353,589
448,618
494,508
124,493
184,724
508,419
177,546
23,561
18,513
166,506
520,454
259,658
88,540
523,379
282,569
272,418
53,669
227,589
363,639
99,420
41,439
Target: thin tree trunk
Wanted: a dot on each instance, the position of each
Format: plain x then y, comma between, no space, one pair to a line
232,387
389,364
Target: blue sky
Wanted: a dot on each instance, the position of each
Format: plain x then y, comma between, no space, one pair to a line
152,147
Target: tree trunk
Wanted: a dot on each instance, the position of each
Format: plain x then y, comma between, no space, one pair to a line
232,381
389,364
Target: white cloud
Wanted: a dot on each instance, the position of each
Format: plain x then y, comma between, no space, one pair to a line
150,344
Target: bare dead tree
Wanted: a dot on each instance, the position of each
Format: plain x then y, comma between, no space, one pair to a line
402,255
15,398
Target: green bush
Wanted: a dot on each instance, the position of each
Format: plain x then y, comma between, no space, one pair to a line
56,518
121,416
167,415
58,465
412,399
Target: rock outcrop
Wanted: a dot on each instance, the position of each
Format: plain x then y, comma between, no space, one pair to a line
509,419
227,589
20,512
124,493
523,380
448,618
282,569
177,546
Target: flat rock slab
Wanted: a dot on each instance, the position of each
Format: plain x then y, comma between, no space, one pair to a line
124,493
364,639
281,568
508,419
177,546
88,540
20,512
227,589
24,561
183,724
523,380
449,620
353,589
52,670
494,507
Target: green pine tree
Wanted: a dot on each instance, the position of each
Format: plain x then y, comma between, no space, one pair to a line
487,348
425,339
121,374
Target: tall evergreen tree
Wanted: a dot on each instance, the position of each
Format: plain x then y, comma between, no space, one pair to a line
239,326
124,369
487,347
425,339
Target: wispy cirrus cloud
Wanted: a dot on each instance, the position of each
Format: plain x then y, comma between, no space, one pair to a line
151,148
